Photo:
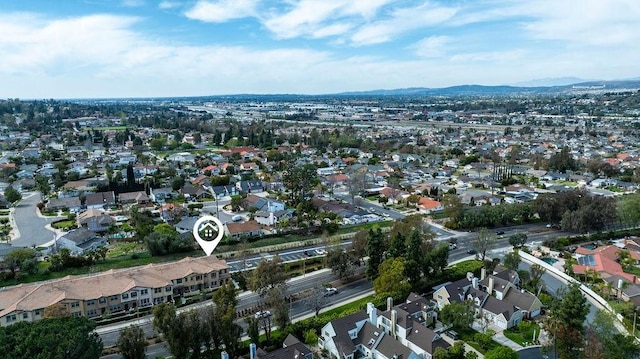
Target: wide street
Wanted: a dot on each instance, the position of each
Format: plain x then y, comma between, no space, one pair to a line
30,225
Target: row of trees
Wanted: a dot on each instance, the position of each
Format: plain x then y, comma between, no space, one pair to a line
200,332
574,210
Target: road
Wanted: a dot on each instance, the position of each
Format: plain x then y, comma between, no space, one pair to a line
31,226
298,309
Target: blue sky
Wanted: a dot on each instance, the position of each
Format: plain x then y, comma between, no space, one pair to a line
145,48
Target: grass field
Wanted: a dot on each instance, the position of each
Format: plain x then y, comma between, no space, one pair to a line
523,333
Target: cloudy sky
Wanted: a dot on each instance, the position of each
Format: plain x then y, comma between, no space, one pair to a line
145,48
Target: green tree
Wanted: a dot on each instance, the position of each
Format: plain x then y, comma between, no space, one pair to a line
17,259
511,260
501,352
132,342
340,262
458,314
375,251
518,240
12,195
391,281
177,183
68,337
565,323
299,181
268,274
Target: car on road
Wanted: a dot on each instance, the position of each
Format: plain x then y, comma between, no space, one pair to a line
320,252
308,253
471,251
329,291
500,233
262,314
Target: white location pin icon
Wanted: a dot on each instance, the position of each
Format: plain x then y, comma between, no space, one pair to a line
208,232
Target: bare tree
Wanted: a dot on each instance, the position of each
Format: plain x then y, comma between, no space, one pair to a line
317,300
483,243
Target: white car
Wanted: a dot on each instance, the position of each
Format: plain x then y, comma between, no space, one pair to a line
262,314
320,252
330,291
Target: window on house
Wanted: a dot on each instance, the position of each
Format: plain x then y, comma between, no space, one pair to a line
91,302
144,291
25,315
103,300
134,294
75,304
125,296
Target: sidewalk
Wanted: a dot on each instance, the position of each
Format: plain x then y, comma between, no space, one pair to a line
500,338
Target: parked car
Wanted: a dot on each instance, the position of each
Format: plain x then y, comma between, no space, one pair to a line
471,251
308,253
320,252
329,291
263,314
500,233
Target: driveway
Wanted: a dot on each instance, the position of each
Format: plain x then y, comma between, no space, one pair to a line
30,225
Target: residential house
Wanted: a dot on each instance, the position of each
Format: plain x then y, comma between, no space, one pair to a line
243,230
171,212
292,348
78,241
139,197
271,218
100,200
496,297
182,157
193,193
604,261
250,186
162,195
186,224
390,334
114,291
72,204
248,166
94,220
428,205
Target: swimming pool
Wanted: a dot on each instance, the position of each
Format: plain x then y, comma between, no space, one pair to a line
549,260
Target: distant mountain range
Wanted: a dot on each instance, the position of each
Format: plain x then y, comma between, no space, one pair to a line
568,86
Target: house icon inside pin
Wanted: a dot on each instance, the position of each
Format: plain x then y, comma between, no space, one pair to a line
208,231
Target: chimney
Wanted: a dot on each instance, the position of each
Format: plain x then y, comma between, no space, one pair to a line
252,351
389,304
483,273
490,288
620,283
469,276
394,320
475,283
373,314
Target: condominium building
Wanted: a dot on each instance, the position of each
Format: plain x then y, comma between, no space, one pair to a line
114,291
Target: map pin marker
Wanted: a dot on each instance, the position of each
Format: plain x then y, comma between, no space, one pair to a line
208,232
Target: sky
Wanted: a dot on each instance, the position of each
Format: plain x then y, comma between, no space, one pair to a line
143,48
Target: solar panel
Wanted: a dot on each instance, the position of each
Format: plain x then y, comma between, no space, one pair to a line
588,260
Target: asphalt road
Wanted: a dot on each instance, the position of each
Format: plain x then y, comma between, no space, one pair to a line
31,226
248,299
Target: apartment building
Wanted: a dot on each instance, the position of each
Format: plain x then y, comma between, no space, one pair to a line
114,291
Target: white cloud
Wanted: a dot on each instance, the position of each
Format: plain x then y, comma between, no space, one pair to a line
222,10
318,18
133,3
432,46
166,5
493,57
591,22
401,21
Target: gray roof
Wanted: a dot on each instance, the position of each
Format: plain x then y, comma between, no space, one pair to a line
521,299
496,306
79,236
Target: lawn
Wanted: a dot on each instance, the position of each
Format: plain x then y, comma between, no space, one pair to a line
523,333
469,335
64,224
